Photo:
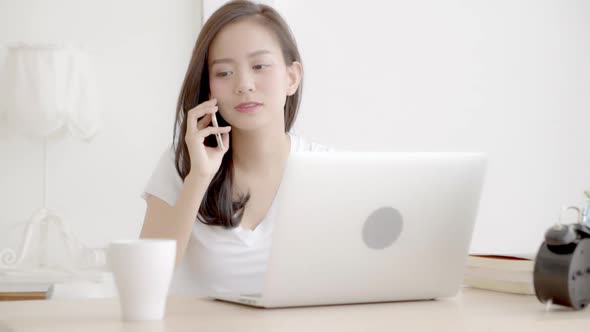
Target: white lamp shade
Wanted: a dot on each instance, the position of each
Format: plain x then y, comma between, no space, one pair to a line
48,88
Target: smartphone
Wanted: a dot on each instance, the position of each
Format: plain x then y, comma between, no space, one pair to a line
218,135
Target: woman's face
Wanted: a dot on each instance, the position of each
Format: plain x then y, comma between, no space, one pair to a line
249,77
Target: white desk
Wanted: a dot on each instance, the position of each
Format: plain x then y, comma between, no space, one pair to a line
472,310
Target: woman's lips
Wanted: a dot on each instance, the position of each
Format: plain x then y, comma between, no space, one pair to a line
248,107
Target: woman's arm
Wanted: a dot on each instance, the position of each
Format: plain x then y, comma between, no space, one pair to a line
175,222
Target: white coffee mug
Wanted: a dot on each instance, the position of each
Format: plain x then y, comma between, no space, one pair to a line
142,270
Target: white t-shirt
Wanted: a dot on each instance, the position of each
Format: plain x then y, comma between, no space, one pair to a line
219,259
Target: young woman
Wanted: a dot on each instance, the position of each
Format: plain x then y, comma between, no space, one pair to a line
218,202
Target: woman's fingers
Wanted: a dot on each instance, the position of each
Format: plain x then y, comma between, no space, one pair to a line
198,112
205,104
204,122
214,130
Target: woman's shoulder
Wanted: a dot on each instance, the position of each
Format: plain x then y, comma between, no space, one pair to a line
300,144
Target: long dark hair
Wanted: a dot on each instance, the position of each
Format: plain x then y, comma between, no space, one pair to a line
218,207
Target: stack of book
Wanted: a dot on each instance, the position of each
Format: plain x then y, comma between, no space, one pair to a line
503,273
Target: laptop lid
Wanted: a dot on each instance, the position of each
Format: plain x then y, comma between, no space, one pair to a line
355,227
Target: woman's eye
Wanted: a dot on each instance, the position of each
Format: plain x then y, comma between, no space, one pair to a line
258,67
223,74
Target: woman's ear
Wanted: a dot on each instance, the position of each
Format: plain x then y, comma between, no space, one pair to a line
294,73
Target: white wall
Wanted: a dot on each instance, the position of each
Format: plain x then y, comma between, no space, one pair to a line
140,50
510,78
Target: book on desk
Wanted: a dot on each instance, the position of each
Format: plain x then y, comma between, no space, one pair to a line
25,291
502,273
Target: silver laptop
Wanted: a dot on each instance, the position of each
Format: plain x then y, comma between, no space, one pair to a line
359,227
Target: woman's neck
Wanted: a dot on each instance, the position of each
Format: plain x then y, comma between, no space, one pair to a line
259,152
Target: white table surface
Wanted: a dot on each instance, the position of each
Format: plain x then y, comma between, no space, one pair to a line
471,310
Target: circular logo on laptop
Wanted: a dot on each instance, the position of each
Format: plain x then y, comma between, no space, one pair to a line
382,228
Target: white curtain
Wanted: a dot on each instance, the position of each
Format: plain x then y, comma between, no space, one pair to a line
47,88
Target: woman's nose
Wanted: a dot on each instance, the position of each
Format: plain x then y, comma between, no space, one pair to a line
245,84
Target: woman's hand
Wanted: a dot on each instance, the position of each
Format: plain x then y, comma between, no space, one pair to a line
205,160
